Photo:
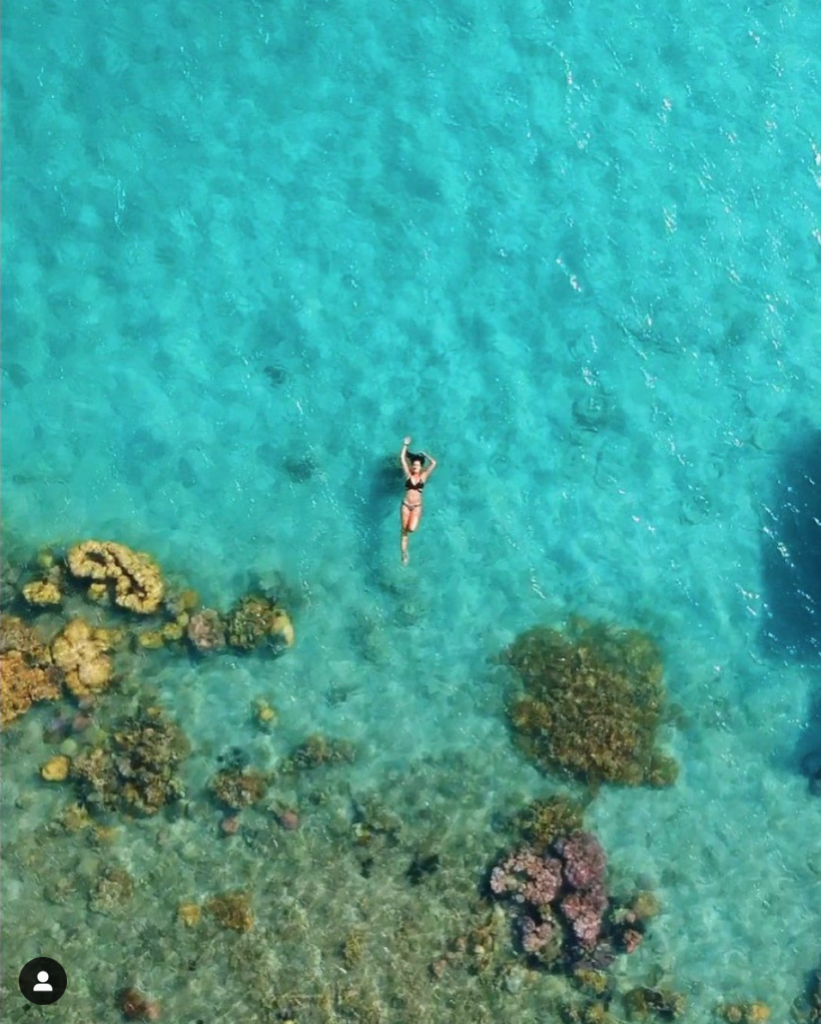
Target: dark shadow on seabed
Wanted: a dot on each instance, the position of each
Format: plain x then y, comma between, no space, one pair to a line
791,555
377,501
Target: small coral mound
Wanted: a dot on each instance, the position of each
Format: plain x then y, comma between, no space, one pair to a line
238,788
135,1005
317,751
81,651
232,910
745,1013
112,893
56,768
265,715
643,1002
27,674
282,627
42,593
542,821
189,914
131,577
592,703
206,630
135,770
255,620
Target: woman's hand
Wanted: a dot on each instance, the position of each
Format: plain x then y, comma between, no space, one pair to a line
406,442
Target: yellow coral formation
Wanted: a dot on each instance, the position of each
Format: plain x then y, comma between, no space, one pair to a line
56,768
45,558
174,630
151,639
189,914
81,652
265,714
27,674
645,905
282,626
42,593
135,579
745,1013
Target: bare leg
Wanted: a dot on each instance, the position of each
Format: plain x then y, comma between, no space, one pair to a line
404,520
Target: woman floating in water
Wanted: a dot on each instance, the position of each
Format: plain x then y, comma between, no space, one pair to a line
415,479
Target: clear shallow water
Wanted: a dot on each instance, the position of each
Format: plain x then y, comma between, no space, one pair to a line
493,228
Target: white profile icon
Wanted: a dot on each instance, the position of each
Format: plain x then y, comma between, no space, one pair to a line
42,979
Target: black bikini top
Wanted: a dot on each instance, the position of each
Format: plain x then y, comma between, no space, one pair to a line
411,486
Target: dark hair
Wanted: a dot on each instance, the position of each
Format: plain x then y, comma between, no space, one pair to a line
413,457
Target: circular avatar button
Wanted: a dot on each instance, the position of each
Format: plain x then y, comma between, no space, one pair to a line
43,980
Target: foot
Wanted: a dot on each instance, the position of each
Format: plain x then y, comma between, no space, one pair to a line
404,558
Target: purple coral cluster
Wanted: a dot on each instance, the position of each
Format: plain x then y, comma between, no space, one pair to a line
560,894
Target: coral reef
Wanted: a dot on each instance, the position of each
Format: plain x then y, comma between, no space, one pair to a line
56,769
181,600
282,627
42,593
563,916
232,910
112,893
560,896
663,1003
238,788
256,620
744,1013
288,818
317,751
135,769
81,651
206,631
131,578
542,821
189,914
27,674
135,1005
265,715
249,622
10,576
592,703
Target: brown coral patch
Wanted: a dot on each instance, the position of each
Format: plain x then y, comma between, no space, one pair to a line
232,910
27,674
250,622
136,769
239,788
592,703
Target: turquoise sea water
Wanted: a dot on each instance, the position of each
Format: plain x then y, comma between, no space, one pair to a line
574,250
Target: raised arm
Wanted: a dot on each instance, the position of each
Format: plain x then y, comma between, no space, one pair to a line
403,456
427,472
